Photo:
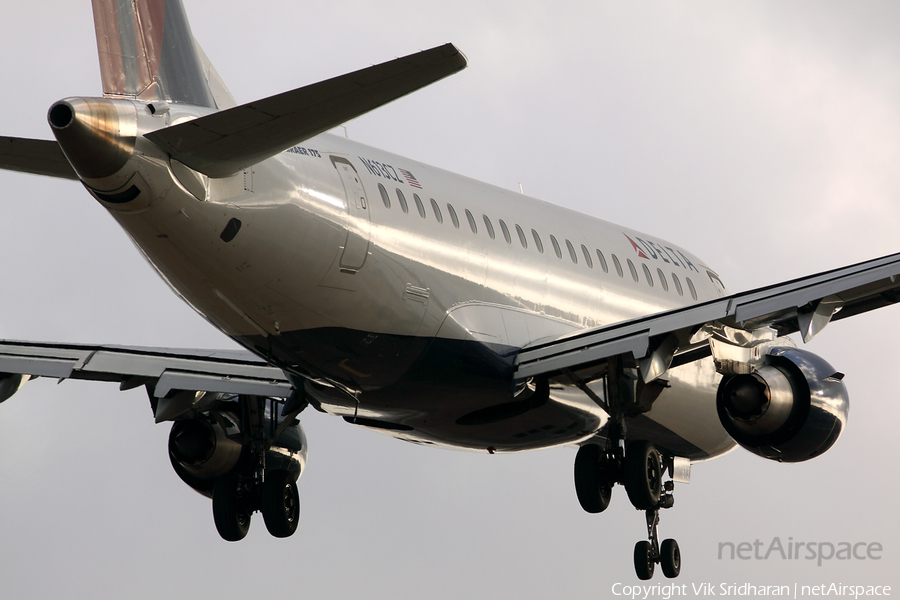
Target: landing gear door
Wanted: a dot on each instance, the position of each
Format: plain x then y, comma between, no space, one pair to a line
356,248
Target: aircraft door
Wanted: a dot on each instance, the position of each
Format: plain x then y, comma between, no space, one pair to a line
356,247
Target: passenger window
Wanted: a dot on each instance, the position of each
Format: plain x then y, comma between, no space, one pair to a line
633,270
453,216
677,284
691,287
662,279
402,199
537,241
419,206
555,246
522,239
505,230
437,211
489,225
384,196
618,265
572,254
603,264
648,275
587,256
471,221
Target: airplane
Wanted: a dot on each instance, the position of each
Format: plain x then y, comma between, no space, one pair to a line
523,325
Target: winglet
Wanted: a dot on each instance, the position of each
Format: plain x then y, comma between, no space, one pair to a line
225,142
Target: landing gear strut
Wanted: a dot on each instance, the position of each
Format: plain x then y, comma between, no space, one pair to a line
648,553
253,486
231,508
637,465
640,469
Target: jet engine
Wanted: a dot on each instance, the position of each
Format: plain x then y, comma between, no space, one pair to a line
204,448
10,383
791,409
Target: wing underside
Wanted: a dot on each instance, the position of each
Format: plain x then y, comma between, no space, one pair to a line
659,341
164,371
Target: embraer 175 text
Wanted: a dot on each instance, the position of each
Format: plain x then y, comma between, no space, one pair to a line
411,300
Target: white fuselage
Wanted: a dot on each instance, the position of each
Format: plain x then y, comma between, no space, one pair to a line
401,292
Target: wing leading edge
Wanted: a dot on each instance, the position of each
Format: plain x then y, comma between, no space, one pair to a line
658,341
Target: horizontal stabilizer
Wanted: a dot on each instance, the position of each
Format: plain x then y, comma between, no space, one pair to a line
38,157
228,141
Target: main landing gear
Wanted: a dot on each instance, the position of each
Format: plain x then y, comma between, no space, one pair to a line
639,467
265,479
236,498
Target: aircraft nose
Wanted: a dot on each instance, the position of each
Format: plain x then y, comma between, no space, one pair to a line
96,134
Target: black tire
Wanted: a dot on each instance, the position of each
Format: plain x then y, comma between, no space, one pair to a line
643,475
232,519
670,558
592,484
280,504
644,564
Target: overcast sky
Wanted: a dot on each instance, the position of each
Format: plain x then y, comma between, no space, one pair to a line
763,136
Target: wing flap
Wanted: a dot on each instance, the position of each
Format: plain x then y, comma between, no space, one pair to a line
852,290
167,369
225,142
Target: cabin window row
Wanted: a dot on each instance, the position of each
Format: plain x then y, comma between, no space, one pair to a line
523,240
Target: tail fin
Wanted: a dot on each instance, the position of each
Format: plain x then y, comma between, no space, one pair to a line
147,51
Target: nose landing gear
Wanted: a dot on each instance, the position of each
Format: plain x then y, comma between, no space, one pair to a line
640,469
647,554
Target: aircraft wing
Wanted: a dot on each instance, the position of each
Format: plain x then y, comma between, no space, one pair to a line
663,340
165,370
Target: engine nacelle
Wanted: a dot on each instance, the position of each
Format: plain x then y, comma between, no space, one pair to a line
790,410
205,448
10,383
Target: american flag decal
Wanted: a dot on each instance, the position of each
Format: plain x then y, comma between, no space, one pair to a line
411,179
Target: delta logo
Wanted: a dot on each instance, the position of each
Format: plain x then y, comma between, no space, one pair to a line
650,250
